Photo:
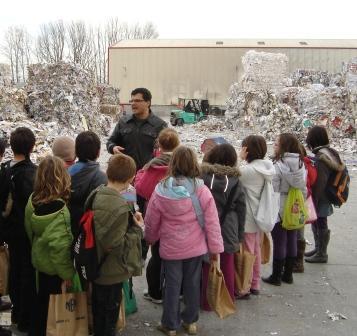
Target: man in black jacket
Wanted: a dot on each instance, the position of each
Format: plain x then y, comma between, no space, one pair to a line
135,135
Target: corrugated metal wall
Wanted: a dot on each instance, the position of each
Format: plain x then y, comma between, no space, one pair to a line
170,73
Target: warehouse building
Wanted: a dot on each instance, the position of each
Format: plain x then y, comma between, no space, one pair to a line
205,69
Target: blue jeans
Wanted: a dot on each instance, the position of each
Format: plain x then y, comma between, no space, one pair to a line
187,273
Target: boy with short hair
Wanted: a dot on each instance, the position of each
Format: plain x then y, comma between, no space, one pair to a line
64,148
17,186
85,175
113,219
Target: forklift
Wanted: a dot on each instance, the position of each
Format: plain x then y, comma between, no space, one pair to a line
190,111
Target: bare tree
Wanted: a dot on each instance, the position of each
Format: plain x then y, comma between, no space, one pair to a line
80,44
51,42
17,50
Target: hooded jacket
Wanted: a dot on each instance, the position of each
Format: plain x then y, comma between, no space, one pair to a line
222,180
328,161
85,177
51,240
153,172
290,172
252,177
111,221
171,218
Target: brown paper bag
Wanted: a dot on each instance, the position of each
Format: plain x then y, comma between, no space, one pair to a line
121,320
4,270
217,293
67,315
265,248
244,262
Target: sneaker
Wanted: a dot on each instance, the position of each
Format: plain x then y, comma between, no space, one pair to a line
149,298
190,328
254,291
166,331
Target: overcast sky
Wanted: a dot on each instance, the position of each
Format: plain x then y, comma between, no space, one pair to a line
198,18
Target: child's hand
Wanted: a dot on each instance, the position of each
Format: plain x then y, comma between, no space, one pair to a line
213,257
138,219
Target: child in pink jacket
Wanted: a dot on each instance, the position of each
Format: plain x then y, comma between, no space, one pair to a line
182,214
145,182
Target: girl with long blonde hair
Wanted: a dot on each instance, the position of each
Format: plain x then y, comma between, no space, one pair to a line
48,226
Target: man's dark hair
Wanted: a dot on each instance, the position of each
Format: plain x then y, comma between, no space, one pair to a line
316,137
3,145
223,154
87,146
145,93
22,141
256,147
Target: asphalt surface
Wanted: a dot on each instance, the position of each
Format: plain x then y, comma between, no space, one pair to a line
300,309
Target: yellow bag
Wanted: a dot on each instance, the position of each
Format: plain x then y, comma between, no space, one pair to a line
244,262
265,248
217,293
67,315
4,270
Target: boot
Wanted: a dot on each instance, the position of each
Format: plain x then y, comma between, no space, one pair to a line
321,256
315,233
275,278
288,270
299,261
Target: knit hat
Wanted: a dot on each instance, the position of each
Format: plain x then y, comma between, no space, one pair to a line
63,147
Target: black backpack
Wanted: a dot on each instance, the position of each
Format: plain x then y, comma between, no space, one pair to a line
338,187
84,248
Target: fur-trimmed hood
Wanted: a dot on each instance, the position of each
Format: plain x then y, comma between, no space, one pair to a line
330,157
219,170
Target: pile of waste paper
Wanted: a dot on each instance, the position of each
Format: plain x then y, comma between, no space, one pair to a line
58,99
306,99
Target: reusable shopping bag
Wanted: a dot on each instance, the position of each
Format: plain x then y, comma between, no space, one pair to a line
311,210
67,312
244,262
217,293
265,248
4,270
295,213
129,297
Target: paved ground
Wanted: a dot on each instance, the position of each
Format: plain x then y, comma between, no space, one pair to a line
290,310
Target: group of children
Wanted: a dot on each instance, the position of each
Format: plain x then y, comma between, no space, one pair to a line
193,214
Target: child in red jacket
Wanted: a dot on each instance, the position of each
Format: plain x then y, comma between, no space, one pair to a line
145,182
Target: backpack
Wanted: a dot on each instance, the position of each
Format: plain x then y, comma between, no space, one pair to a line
84,248
295,213
268,208
338,186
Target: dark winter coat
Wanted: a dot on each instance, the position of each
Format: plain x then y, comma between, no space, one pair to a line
85,177
221,180
137,137
16,188
327,161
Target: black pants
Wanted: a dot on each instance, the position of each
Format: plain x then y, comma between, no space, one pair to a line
144,246
48,284
153,273
105,307
21,282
